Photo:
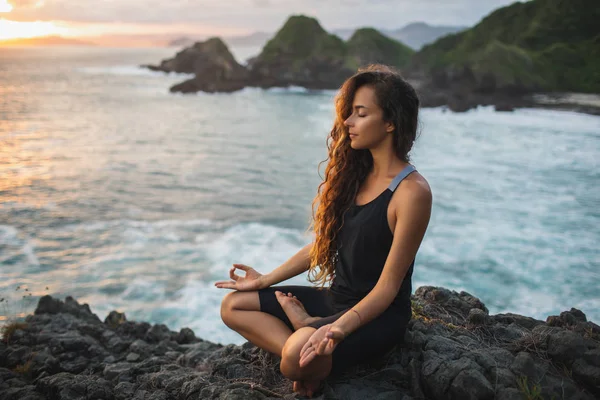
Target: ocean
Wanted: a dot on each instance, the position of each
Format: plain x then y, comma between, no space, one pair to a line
130,198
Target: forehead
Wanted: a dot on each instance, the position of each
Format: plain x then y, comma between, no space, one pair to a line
365,96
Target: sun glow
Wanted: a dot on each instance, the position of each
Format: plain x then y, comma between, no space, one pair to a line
24,30
5,7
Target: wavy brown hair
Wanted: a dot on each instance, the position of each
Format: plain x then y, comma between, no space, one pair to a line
347,168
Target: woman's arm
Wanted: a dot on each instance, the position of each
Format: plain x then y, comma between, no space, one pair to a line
253,280
413,211
297,264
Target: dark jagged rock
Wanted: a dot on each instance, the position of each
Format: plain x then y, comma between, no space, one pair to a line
213,65
453,349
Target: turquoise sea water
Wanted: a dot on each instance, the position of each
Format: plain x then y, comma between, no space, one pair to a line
128,197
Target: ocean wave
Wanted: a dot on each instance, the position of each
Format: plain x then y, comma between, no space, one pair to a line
256,244
525,118
91,226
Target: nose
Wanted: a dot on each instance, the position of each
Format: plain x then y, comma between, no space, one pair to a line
348,121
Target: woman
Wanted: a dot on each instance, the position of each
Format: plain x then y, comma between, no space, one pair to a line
371,213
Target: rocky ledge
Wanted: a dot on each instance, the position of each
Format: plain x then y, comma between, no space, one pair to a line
453,349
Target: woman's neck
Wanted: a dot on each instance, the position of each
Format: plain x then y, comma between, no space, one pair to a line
385,162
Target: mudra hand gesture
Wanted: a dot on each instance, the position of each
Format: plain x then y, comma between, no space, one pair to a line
322,342
252,280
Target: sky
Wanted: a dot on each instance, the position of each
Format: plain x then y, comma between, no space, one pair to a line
81,18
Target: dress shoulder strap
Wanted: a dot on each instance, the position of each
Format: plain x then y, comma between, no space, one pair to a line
400,177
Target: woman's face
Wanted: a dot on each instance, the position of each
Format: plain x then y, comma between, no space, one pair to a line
366,127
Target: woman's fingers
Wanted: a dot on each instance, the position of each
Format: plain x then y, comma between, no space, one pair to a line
321,346
226,284
307,357
305,348
336,335
232,274
242,267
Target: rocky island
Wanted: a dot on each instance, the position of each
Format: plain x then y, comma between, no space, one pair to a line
453,349
301,53
532,54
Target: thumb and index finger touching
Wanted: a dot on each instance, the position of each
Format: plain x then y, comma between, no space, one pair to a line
243,267
232,275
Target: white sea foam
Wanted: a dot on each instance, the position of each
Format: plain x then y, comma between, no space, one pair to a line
289,89
262,246
148,225
9,235
525,118
196,303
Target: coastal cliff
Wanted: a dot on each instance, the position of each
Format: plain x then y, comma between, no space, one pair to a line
453,349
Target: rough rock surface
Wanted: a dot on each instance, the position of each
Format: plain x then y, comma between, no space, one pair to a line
453,349
214,68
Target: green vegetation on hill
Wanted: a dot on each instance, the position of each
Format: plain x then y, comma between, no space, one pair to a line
541,44
303,37
368,46
302,41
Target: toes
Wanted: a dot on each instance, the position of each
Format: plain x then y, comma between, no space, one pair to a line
299,388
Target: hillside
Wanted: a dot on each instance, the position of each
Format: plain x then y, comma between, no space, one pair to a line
368,46
302,53
548,45
418,34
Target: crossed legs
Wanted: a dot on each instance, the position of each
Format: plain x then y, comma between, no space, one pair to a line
240,311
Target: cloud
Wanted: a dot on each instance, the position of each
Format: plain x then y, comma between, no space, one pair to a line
257,14
18,4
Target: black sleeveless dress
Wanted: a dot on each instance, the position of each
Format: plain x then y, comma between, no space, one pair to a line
363,244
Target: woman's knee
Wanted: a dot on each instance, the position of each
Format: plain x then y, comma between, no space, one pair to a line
238,301
290,354
227,305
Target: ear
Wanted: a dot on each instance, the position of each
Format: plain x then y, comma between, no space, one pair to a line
389,127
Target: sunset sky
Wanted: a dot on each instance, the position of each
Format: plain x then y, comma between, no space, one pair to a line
85,18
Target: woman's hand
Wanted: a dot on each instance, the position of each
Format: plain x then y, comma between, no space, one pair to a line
252,280
322,342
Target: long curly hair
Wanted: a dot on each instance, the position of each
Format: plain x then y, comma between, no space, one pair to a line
347,168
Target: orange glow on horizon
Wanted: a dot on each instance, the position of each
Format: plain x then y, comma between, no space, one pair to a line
25,30
5,6
119,33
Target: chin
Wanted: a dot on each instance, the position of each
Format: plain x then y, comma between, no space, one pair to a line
356,146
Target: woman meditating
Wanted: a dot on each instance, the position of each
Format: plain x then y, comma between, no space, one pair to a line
369,218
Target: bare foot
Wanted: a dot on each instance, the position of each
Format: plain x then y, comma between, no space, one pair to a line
298,387
294,310
306,388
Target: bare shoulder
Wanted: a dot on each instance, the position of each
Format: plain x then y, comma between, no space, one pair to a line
414,190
